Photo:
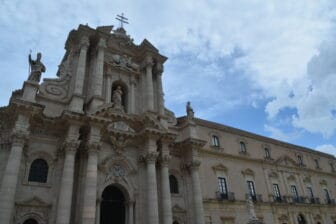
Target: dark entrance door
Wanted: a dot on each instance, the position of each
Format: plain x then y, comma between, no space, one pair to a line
30,221
112,208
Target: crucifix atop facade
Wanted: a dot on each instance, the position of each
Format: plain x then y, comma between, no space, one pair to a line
122,19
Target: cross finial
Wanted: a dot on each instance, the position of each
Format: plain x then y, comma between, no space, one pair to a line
122,19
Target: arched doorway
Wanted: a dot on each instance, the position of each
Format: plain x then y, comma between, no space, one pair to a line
301,219
112,208
30,221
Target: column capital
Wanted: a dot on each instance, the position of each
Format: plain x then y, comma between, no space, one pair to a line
19,137
148,62
159,68
93,147
150,157
101,43
70,146
193,165
84,42
164,160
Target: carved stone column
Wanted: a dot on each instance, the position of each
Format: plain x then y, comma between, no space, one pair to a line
96,87
149,84
152,198
159,70
11,173
90,193
66,187
108,87
132,96
196,186
130,212
167,215
77,100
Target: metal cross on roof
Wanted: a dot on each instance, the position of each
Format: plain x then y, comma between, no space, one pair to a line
122,19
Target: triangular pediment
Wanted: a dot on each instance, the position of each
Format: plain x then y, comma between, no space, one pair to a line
220,167
177,209
148,45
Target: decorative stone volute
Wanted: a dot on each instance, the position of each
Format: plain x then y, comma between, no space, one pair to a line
93,147
164,160
70,146
101,43
84,42
193,165
151,157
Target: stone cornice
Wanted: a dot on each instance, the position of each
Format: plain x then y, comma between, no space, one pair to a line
261,138
263,162
191,142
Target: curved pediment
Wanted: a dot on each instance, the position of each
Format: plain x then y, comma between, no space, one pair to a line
273,174
285,161
283,218
34,202
248,172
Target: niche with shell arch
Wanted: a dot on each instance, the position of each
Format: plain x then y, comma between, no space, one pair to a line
124,96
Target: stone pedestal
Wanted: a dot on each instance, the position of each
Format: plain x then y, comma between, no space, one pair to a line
30,89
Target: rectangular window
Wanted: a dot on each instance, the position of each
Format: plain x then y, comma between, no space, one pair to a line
327,196
310,192
251,188
242,147
267,153
317,165
222,185
300,159
276,191
215,141
294,192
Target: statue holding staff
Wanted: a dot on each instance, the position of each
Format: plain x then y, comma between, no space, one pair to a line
36,68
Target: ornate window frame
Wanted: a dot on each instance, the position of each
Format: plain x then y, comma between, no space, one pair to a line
51,165
180,182
242,141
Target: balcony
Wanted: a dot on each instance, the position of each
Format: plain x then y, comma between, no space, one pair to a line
314,200
279,199
255,197
329,201
293,199
225,196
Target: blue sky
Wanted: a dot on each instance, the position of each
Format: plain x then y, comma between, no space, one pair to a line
268,67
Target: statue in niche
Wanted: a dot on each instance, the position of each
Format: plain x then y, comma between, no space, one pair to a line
36,67
117,98
190,111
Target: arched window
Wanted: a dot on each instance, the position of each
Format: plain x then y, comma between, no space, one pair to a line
175,222
300,159
242,147
173,183
38,171
30,221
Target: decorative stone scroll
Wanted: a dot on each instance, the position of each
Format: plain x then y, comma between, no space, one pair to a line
55,89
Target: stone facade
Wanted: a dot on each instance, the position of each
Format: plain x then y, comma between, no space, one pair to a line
97,145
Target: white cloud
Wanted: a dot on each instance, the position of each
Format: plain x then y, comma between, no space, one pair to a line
330,149
281,135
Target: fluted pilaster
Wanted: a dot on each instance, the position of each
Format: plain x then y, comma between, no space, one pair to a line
10,177
165,191
66,188
90,197
152,198
196,186
149,83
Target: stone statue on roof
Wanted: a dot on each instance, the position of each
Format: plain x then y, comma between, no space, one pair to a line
190,111
36,67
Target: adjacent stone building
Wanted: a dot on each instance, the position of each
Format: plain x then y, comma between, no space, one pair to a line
96,145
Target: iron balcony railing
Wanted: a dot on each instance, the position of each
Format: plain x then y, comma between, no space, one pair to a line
229,196
255,197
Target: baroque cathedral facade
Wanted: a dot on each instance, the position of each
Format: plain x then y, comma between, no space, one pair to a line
96,145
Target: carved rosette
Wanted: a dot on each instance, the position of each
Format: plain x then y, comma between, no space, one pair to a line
19,137
93,147
164,160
